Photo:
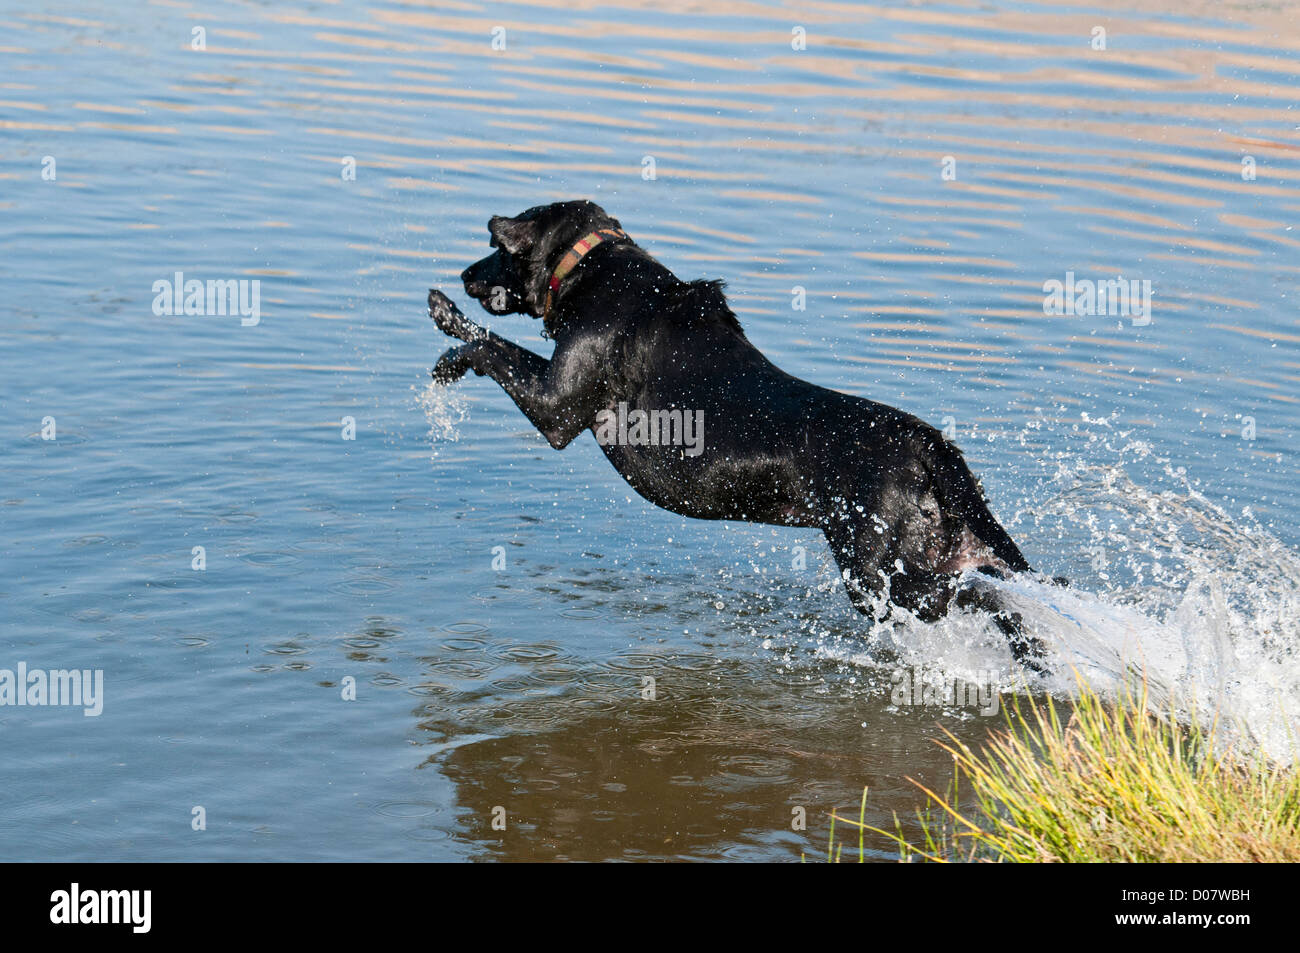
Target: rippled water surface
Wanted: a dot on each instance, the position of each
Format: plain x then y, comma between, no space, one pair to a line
1153,464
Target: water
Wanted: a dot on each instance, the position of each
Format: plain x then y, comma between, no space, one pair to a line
1153,465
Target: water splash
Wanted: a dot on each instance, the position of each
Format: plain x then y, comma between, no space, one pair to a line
444,409
1174,591
1204,604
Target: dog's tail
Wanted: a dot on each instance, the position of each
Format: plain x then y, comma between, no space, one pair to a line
960,494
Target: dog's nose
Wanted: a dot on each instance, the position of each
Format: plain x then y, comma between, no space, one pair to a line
465,276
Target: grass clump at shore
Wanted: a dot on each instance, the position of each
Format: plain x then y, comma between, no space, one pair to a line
1110,783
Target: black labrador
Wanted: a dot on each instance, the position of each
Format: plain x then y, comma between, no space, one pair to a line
699,422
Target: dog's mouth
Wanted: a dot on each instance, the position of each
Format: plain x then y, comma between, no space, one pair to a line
495,298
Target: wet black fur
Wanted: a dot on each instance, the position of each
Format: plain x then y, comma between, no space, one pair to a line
898,505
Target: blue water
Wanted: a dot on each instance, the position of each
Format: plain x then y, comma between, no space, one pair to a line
1105,447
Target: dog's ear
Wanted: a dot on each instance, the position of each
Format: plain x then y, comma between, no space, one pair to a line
512,234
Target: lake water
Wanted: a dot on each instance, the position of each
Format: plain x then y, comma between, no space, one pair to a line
920,171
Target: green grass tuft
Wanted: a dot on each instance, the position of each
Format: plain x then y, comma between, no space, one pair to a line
1108,783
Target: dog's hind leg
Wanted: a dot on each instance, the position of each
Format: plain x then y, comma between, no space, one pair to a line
962,496
1026,649
859,563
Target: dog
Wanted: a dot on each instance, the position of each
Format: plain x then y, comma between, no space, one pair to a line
904,516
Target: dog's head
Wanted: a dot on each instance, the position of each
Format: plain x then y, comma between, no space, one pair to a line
513,280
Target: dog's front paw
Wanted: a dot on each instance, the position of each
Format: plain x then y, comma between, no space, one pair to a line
449,318
453,365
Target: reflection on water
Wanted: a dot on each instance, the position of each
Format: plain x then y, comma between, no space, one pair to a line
919,171
714,768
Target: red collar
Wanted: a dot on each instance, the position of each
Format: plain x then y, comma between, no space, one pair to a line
574,255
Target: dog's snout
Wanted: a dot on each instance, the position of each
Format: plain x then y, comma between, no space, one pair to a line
480,277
